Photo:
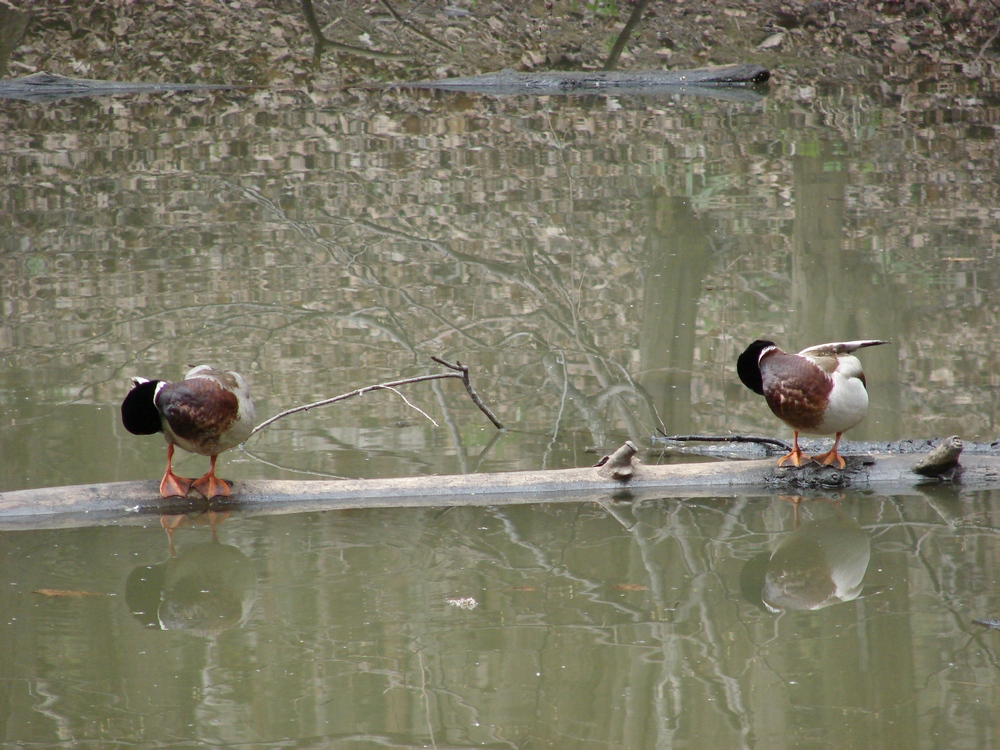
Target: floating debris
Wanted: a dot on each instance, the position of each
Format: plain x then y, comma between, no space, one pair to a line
67,592
465,602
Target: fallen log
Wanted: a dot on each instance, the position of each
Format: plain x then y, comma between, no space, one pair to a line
620,479
743,82
46,87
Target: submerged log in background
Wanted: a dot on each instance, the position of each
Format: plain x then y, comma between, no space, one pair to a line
96,504
745,74
742,81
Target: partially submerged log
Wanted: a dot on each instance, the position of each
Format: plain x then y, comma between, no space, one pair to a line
110,503
742,82
563,81
45,87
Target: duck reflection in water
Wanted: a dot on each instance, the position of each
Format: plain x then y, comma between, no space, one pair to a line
204,589
820,563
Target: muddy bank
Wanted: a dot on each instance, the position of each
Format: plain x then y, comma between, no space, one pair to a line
268,45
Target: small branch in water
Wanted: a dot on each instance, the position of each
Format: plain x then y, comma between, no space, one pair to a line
728,439
461,373
412,406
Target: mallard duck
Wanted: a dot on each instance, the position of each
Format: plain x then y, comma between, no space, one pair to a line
819,391
207,412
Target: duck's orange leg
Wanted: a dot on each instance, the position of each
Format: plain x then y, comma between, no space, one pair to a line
171,484
796,454
831,457
169,523
214,519
210,485
795,500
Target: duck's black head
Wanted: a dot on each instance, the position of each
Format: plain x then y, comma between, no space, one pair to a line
748,365
139,414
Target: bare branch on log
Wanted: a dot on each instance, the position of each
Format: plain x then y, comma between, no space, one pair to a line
728,439
461,373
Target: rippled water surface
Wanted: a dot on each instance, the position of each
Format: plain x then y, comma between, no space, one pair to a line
598,263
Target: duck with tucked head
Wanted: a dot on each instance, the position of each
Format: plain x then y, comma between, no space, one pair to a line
207,412
819,391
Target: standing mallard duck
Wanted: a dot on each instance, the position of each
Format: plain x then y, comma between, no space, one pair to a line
206,413
819,391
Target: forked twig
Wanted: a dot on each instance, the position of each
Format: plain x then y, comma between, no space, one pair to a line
464,370
461,373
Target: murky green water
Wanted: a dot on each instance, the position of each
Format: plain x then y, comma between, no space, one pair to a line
565,625
599,263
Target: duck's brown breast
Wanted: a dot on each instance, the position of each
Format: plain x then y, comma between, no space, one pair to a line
796,390
198,410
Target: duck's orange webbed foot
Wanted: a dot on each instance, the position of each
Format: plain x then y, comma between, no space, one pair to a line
795,457
210,485
174,486
832,457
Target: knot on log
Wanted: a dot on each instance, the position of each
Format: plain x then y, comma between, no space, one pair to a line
619,465
813,476
941,460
